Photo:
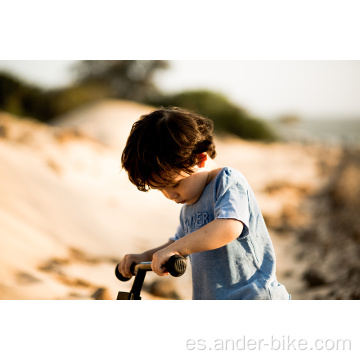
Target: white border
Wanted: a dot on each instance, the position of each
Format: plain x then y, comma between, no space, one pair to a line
174,30
162,329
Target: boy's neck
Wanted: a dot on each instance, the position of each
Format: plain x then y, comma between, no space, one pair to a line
212,169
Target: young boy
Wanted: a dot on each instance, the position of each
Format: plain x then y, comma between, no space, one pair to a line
221,226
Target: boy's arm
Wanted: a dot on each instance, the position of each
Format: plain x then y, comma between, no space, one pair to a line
125,264
148,255
213,235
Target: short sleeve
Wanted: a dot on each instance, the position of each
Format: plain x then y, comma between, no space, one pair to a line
180,231
232,201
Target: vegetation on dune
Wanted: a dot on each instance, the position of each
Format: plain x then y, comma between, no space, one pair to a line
95,80
130,80
227,117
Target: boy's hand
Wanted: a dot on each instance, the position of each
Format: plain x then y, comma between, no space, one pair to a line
159,260
129,259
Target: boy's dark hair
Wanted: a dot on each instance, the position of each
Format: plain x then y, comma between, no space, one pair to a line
164,142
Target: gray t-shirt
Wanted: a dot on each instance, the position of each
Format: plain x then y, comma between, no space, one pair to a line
244,268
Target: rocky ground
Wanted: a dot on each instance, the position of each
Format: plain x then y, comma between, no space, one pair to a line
330,243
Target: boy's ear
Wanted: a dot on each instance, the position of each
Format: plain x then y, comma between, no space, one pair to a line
202,159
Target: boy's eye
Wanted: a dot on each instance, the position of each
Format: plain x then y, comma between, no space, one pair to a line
170,186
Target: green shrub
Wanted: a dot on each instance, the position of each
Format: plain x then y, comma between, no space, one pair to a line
227,117
96,79
22,99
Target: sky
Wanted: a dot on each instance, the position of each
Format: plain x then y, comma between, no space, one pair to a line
269,89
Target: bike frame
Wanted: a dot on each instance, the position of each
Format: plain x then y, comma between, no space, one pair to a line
140,273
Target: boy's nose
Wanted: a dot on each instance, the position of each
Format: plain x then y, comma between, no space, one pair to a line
170,194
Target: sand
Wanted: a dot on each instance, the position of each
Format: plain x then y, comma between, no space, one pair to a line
68,214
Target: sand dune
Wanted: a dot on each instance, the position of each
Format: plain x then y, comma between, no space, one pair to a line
67,214
108,121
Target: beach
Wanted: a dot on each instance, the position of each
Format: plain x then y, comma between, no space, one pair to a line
68,213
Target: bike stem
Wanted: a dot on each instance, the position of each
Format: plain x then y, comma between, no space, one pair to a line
139,271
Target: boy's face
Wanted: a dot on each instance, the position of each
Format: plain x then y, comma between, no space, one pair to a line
185,188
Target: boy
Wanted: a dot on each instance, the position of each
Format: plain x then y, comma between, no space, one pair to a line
221,226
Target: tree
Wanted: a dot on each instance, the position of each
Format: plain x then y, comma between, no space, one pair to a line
20,98
96,80
125,79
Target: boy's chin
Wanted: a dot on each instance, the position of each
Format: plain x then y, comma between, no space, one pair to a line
190,202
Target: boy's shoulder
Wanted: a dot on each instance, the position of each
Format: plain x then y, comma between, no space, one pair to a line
229,176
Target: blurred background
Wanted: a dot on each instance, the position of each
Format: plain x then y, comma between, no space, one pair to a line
68,214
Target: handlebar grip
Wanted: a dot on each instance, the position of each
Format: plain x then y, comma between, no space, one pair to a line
176,265
120,276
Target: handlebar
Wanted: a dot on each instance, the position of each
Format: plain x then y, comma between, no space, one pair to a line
176,266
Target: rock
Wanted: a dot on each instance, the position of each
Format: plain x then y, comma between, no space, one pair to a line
314,278
164,288
101,294
24,278
355,295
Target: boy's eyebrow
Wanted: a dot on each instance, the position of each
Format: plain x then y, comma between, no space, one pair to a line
157,187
